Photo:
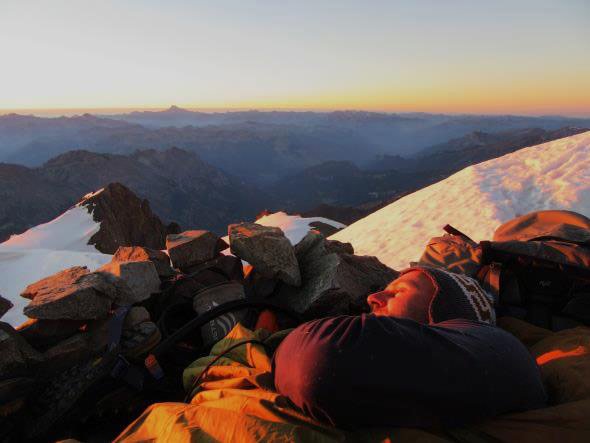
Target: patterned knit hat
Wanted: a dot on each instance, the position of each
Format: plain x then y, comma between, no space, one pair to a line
457,296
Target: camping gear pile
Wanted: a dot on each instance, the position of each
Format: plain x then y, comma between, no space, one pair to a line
537,266
102,346
233,398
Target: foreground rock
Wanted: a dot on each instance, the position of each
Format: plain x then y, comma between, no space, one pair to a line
42,334
17,356
140,277
73,294
125,220
68,353
191,248
5,305
333,282
135,316
138,253
267,250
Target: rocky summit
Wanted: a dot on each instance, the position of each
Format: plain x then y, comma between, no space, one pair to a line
93,340
125,220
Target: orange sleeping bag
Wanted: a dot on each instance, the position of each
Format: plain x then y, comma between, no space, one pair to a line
236,400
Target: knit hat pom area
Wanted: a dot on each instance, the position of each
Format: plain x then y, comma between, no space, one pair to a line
458,296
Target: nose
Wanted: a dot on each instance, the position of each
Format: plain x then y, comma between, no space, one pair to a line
378,299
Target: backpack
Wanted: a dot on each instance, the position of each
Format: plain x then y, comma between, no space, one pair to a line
537,266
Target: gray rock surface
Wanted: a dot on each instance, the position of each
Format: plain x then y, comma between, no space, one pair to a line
42,334
191,248
267,250
333,283
5,305
135,316
67,353
73,294
138,253
140,277
17,356
63,278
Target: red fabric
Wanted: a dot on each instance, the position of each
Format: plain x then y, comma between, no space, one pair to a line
267,320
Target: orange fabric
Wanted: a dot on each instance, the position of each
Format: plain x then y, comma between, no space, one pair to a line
564,359
236,402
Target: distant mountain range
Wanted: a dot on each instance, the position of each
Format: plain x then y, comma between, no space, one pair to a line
259,147
390,177
178,184
228,167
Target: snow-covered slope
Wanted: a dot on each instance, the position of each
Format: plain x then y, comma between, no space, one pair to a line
45,250
553,175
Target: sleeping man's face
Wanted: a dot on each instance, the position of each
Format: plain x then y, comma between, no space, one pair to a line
408,296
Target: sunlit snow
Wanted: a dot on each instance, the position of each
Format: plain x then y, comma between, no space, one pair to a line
294,227
45,250
553,175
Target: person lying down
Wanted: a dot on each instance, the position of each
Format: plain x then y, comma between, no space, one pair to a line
429,355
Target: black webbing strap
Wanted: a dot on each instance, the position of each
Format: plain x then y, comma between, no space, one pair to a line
116,326
206,317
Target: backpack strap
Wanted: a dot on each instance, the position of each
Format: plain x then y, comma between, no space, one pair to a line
489,277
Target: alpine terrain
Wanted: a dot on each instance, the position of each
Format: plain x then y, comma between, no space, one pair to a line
553,175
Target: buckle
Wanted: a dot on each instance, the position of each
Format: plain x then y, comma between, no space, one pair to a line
153,367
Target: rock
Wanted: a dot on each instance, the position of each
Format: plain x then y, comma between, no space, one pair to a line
267,250
63,278
231,267
138,253
324,228
135,316
333,283
68,353
192,248
209,277
42,334
312,243
226,266
18,357
339,247
259,285
73,294
140,277
5,305
125,220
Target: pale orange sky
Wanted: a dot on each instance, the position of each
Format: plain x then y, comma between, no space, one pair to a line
520,57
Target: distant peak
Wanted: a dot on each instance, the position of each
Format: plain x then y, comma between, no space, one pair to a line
176,109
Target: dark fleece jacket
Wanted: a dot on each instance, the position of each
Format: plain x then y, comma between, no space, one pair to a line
382,371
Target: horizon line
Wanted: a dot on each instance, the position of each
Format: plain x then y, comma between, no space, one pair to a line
104,110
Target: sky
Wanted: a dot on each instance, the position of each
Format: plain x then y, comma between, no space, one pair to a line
517,56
